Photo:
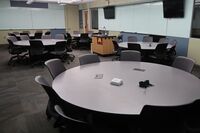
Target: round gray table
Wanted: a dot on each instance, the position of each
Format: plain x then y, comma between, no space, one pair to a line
172,86
46,42
144,45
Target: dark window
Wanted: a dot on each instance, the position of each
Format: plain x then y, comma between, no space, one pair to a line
80,19
94,18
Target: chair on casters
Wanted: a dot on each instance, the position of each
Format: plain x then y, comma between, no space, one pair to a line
37,52
130,55
88,58
60,50
55,67
69,49
160,53
184,63
38,35
117,50
134,46
15,50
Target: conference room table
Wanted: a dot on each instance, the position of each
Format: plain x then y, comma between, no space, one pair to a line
89,86
144,45
46,42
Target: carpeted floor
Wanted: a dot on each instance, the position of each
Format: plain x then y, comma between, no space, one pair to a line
23,101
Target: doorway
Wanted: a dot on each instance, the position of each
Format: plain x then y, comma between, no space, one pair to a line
85,14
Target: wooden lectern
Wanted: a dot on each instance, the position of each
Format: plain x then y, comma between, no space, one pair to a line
102,45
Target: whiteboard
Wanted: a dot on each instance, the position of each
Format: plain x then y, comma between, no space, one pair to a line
148,19
31,18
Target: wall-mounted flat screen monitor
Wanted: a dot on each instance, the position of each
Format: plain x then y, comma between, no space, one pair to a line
109,12
173,8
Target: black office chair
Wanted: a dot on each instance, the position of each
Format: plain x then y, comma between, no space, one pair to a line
37,52
38,35
171,53
159,55
69,50
134,46
60,50
47,33
163,119
117,50
68,36
17,37
72,125
84,41
24,34
53,97
192,122
17,52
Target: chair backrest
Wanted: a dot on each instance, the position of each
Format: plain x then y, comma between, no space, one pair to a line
163,119
183,63
47,33
60,46
88,58
68,36
12,38
38,35
53,96
173,42
115,44
76,32
84,35
55,67
130,55
147,39
11,47
24,37
161,48
24,34
163,40
16,33
46,37
26,31
60,36
134,46
69,46
59,110
132,39
36,47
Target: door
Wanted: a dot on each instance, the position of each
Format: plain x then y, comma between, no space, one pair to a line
85,21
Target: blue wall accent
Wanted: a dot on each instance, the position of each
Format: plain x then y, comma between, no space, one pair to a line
181,47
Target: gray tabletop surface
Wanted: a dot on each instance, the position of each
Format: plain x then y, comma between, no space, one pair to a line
88,86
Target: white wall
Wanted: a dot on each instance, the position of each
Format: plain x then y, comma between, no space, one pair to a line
148,18
31,18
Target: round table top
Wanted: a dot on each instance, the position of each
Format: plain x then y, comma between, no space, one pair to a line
144,45
46,42
83,86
